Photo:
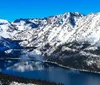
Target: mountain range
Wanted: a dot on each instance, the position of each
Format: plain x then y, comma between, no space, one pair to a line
71,39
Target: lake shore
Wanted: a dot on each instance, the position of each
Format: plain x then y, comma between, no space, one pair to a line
66,67
7,79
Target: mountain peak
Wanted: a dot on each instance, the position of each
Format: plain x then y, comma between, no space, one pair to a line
73,14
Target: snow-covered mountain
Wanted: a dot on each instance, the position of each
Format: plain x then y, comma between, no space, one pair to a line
66,38
50,30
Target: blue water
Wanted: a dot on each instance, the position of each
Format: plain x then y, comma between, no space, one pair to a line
58,74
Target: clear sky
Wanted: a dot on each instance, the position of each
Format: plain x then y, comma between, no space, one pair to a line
14,9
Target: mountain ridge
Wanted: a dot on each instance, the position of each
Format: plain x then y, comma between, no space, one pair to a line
71,39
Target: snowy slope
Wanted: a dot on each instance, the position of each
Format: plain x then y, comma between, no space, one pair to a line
55,30
8,47
6,29
88,29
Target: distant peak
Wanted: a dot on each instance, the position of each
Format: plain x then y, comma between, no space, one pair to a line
3,21
73,14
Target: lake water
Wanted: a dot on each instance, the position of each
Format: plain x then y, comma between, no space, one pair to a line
49,72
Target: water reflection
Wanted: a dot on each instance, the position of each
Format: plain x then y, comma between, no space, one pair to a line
50,72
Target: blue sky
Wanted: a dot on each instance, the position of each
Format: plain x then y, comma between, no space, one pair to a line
13,9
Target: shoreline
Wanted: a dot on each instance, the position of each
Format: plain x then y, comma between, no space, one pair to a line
6,79
66,67
60,65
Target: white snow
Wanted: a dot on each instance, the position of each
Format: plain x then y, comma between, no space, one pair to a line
3,21
16,83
